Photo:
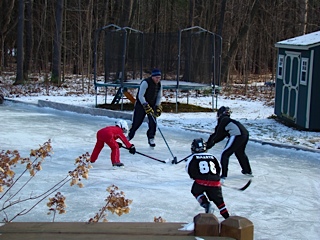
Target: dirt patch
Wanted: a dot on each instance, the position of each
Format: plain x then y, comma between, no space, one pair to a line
167,107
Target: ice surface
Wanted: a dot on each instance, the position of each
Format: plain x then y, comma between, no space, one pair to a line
282,201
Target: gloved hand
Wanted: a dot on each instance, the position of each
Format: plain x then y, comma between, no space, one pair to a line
148,109
120,144
132,149
209,145
158,111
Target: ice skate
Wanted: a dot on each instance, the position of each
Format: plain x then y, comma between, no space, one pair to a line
207,207
222,180
151,142
117,165
249,174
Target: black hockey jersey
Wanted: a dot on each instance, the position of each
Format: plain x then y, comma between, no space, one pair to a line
226,127
203,166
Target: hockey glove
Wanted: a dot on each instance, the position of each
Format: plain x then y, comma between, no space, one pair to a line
120,144
158,111
209,145
132,149
148,109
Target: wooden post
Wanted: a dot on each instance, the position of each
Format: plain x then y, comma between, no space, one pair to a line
237,227
206,224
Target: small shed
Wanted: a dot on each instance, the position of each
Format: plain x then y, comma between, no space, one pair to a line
297,95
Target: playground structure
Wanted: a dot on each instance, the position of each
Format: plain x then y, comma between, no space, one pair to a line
189,60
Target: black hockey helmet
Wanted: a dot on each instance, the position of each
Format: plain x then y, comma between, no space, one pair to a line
198,145
223,111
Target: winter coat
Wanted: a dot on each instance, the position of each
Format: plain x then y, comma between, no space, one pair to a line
226,127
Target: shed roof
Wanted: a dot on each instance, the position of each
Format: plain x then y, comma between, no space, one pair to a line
301,42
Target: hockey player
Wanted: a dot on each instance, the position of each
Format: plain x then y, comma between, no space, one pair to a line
109,135
148,102
238,137
204,169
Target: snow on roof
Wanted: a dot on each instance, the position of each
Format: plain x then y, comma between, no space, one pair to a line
307,40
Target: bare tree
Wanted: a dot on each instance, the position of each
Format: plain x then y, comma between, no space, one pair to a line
41,52
19,78
6,17
242,25
56,63
235,43
29,38
304,16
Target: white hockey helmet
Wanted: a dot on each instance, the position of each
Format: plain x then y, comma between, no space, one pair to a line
123,125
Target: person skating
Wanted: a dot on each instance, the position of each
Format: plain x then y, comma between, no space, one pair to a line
109,135
148,101
204,169
238,137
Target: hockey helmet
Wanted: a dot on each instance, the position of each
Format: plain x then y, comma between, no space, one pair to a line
198,145
123,125
223,111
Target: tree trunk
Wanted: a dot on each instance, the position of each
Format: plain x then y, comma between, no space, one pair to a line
56,63
304,16
29,39
19,78
191,12
218,47
89,20
6,13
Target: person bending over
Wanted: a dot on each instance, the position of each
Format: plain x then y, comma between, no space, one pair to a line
238,137
109,135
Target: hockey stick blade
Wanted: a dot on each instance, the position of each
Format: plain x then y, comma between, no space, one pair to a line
183,159
174,161
245,186
242,188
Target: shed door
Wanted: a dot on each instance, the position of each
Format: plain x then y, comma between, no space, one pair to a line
290,87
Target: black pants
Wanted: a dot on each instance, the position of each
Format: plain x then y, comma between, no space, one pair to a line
214,194
235,145
138,117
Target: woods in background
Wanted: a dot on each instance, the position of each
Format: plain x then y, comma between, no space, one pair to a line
57,37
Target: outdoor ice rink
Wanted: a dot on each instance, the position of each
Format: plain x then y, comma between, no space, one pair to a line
282,201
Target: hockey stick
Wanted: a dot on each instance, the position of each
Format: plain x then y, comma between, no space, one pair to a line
163,161
145,155
174,158
240,189
184,159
